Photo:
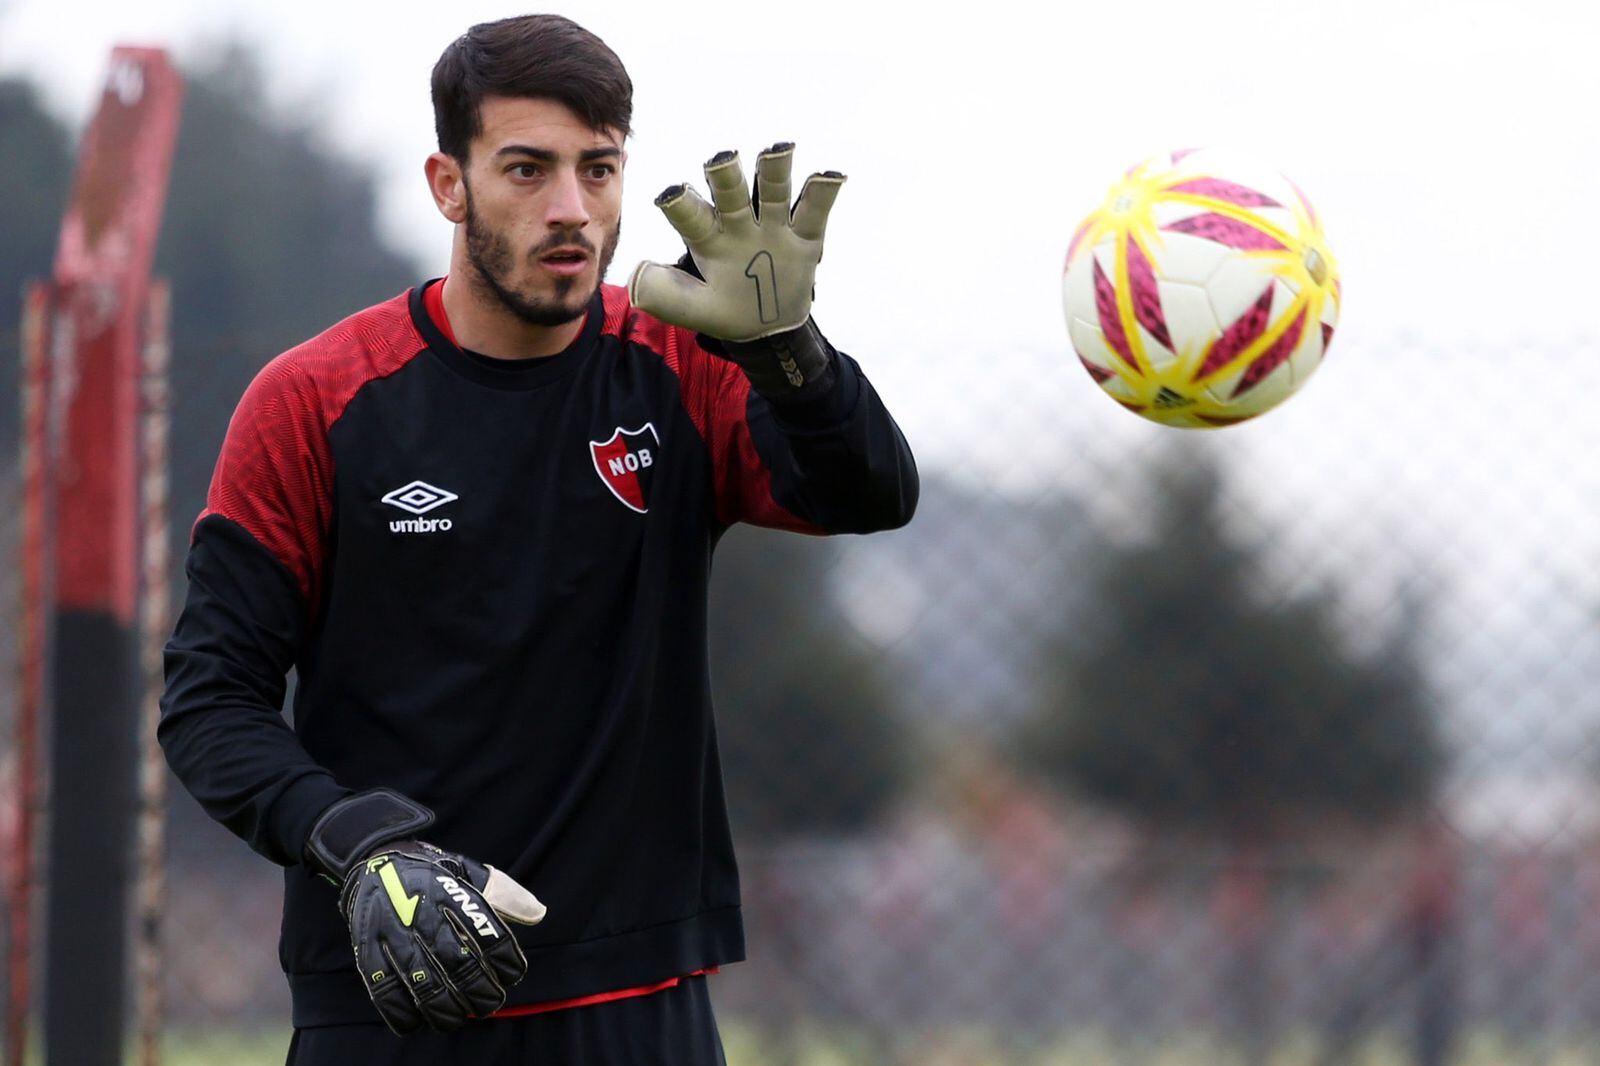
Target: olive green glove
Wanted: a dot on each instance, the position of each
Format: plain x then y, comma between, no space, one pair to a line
757,260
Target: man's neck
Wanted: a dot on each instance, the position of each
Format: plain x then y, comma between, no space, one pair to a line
483,324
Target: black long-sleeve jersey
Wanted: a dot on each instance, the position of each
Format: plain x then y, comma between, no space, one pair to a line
491,579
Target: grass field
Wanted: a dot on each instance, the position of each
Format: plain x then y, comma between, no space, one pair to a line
969,1046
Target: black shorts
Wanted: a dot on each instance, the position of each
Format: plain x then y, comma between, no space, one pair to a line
673,1027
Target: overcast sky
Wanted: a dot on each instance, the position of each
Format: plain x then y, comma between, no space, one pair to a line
1451,146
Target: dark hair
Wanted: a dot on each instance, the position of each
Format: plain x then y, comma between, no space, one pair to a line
527,56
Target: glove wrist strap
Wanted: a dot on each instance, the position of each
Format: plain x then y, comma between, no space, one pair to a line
794,365
348,831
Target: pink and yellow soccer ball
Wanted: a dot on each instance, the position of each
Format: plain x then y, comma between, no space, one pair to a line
1201,292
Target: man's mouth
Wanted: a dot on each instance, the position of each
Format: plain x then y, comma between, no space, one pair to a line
565,262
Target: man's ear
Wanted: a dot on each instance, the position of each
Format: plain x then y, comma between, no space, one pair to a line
448,185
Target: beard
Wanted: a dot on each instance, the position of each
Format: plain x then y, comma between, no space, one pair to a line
493,261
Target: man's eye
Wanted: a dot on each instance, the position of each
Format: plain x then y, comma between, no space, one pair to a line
525,170
601,171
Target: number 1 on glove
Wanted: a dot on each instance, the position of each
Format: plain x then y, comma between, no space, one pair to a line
757,259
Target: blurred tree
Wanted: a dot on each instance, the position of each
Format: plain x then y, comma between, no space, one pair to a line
35,170
808,734
270,236
1188,704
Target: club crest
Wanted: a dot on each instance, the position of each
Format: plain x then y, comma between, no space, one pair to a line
625,461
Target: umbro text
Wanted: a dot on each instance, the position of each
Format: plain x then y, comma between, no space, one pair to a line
420,525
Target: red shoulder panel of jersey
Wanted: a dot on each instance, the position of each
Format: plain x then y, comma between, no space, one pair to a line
716,394
274,475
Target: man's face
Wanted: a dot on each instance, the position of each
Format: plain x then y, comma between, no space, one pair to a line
543,208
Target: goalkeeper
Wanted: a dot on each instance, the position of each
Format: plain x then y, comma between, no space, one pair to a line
477,520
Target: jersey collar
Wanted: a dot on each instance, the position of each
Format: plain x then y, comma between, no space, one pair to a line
499,373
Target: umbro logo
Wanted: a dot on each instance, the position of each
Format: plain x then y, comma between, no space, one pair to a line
419,498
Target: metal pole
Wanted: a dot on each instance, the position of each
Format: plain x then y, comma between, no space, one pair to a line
32,629
153,624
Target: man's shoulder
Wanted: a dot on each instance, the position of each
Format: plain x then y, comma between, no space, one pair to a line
372,336
330,368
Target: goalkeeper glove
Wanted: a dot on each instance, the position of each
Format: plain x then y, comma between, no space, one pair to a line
427,925
748,277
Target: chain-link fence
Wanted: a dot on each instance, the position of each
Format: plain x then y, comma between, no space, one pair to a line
1268,745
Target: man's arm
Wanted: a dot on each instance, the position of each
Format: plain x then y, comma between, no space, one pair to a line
222,727
427,926
834,459
255,565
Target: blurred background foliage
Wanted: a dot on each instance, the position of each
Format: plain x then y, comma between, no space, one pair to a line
1191,702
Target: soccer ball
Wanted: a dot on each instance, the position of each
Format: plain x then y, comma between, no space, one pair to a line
1201,292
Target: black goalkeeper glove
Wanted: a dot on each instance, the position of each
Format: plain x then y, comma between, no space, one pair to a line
427,925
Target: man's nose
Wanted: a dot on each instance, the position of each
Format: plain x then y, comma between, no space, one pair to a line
565,207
